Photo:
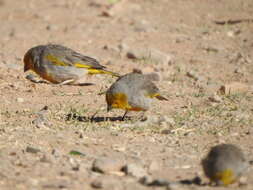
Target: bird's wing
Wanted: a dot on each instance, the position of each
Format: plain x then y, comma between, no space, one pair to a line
62,56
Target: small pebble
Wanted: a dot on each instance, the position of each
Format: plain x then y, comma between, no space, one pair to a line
32,150
20,100
135,170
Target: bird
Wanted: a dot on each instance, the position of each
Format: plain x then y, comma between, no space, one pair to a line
133,92
224,164
61,65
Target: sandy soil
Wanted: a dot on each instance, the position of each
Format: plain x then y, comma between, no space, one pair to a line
201,46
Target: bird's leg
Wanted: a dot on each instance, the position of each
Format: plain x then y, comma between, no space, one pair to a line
92,118
123,117
143,116
67,82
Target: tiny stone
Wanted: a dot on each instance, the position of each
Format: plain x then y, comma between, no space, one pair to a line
152,54
32,150
166,131
154,166
243,181
107,165
107,182
160,57
215,98
74,164
123,47
230,34
192,74
168,120
174,186
118,148
146,180
147,70
234,88
97,184
20,100
135,170
131,55
107,13
51,27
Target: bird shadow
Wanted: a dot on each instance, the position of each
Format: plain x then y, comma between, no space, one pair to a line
194,181
36,80
82,84
95,119
161,182
45,82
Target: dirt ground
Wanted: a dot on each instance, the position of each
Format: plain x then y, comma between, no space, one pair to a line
199,46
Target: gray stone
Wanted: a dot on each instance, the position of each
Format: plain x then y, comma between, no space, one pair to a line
32,150
154,166
215,98
20,100
192,75
152,54
135,170
42,118
107,165
234,88
107,182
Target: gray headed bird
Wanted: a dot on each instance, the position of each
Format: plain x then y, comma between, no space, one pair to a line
133,92
59,64
224,164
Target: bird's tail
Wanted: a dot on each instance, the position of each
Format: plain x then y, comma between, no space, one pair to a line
100,71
